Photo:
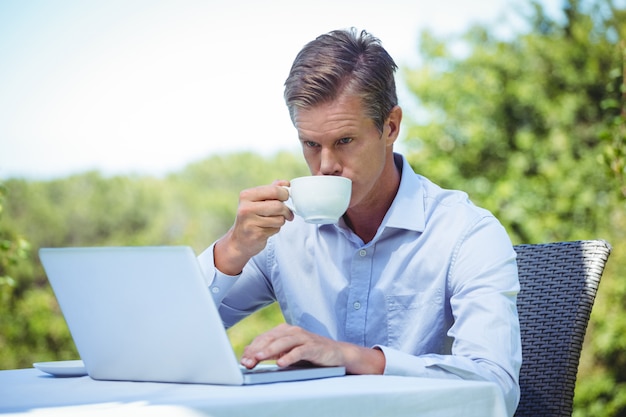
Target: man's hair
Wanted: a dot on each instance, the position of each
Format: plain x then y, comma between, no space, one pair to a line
343,61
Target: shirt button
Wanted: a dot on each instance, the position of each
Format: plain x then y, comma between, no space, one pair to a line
362,252
356,305
215,290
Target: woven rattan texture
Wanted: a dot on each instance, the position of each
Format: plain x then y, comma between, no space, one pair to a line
558,287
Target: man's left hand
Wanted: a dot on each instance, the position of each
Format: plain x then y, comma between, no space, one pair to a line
291,344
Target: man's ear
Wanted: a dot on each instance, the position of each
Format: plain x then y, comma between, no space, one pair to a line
393,125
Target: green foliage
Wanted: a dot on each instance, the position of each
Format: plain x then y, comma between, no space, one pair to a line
614,134
533,129
13,248
193,207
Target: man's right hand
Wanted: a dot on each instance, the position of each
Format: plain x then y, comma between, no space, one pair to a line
260,214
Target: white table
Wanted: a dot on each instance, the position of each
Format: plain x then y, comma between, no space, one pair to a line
29,391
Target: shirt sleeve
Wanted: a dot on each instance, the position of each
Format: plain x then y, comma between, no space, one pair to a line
483,285
219,283
237,296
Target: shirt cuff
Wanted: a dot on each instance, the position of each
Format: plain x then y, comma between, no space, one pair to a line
395,361
404,364
219,283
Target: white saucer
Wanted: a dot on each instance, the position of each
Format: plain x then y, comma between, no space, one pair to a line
62,368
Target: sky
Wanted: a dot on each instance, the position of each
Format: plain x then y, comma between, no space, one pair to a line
148,86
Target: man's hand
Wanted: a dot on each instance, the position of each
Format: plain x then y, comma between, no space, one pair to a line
291,344
260,214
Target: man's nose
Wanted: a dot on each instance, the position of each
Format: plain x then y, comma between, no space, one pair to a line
329,163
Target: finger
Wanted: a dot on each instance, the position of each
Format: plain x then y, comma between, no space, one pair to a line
295,355
250,358
275,191
281,183
269,345
282,193
278,348
271,208
249,362
258,221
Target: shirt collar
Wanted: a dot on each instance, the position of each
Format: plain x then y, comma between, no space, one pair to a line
407,209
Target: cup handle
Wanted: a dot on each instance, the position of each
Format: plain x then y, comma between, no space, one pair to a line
289,202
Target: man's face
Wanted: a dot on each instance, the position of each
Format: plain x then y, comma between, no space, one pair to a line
337,138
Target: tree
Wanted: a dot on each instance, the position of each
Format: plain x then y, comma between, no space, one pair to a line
615,132
13,249
528,126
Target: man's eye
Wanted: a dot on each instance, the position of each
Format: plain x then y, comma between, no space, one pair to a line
344,141
309,144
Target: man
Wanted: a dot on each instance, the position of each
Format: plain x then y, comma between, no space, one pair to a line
413,280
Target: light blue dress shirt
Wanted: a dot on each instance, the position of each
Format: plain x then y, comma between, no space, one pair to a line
435,289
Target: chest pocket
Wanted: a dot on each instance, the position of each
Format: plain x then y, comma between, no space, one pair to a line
415,322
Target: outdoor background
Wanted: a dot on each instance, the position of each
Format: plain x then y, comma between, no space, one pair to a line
531,123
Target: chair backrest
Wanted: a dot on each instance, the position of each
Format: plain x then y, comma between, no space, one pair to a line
558,282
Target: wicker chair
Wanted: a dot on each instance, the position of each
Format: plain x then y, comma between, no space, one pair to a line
558,287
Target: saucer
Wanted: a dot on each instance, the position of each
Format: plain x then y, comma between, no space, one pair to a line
62,368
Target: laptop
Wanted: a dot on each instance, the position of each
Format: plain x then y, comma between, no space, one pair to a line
146,314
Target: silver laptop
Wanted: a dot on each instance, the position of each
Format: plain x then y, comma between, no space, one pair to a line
146,314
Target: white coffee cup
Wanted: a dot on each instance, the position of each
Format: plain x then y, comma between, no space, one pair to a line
319,199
